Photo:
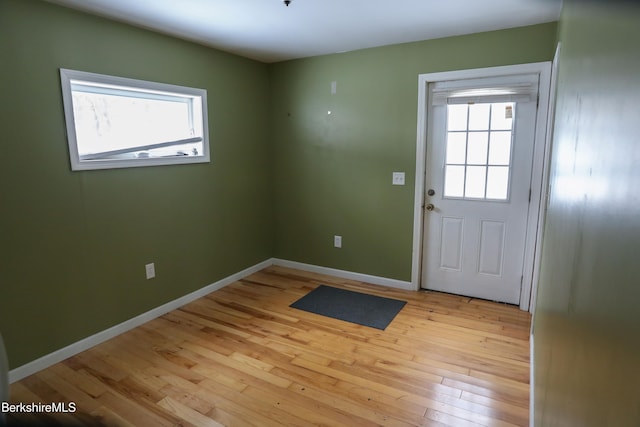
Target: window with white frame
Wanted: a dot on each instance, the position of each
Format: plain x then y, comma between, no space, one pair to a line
478,150
116,122
479,133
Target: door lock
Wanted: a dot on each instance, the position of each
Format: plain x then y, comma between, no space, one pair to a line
431,192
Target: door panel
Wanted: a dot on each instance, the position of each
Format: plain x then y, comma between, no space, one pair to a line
451,244
491,250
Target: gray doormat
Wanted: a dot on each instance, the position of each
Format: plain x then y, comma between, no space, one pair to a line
355,307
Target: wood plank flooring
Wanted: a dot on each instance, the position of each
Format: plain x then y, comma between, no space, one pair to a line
242,357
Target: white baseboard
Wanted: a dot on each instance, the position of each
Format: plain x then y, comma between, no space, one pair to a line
532,380
59,355
375,280
84,344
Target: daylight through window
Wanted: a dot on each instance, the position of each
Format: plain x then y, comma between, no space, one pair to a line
116,122
478,150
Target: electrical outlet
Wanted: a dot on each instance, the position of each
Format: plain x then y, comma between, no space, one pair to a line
150,270
337,241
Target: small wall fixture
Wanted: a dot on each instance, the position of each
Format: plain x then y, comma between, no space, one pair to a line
287,2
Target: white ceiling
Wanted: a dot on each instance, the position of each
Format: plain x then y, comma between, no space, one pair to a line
268,31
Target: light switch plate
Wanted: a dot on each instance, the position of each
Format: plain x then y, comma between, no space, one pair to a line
150,270
398,178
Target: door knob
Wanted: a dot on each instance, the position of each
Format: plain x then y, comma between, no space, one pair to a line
430,207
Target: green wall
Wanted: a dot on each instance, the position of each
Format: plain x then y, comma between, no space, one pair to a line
587,322
333,172
74,244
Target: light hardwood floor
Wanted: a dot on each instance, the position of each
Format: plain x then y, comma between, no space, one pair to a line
242,357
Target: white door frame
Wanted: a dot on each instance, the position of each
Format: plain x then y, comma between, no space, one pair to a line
541,148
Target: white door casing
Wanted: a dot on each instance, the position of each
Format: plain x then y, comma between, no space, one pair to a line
488,231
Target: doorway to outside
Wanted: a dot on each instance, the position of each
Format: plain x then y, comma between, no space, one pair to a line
479,181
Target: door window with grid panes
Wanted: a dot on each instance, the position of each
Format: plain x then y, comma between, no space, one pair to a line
478,151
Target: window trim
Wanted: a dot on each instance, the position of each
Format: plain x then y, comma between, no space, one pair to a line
90,162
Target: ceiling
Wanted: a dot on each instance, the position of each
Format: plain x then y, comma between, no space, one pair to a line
268,31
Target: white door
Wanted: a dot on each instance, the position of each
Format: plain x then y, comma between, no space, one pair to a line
478,185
